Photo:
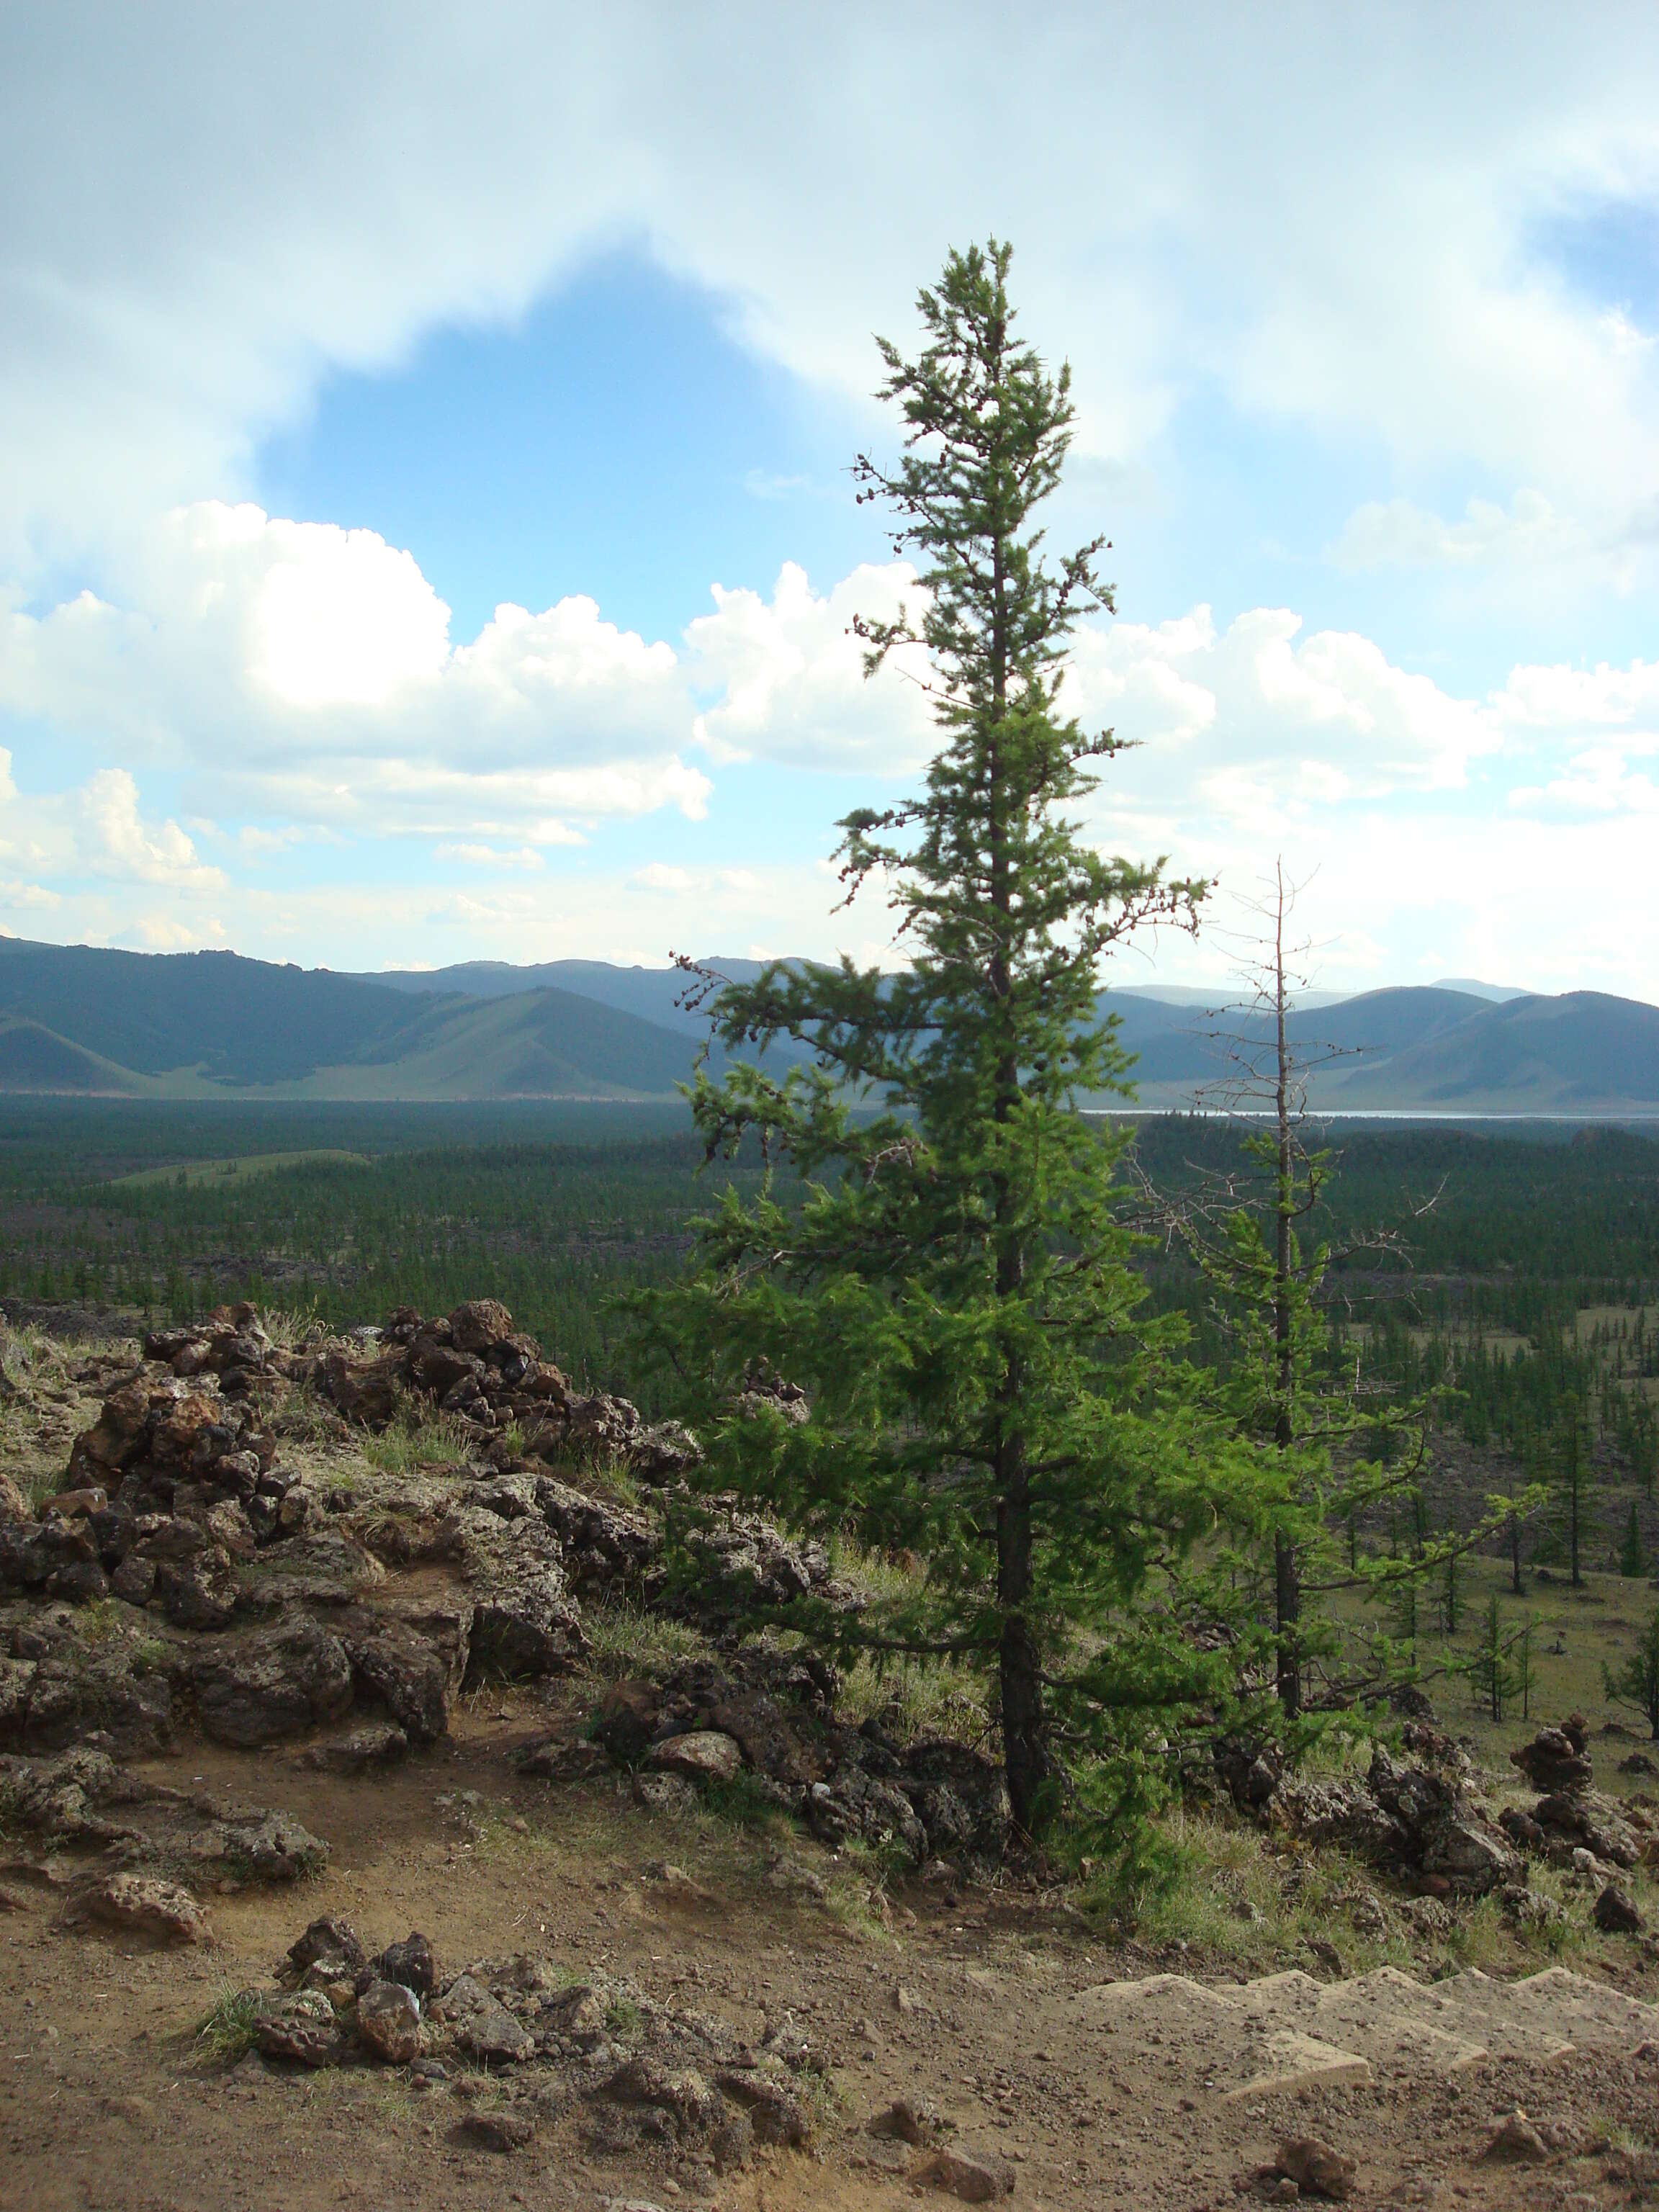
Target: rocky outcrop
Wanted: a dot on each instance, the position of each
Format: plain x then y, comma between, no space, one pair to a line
1558,1760
771,1715
1571,1817
486,1376
1417,1822
274,1683
83,1799
59,1687
142,1906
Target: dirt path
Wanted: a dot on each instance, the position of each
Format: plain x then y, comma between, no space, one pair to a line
968,2003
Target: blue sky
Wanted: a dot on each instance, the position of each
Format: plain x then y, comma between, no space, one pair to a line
320,345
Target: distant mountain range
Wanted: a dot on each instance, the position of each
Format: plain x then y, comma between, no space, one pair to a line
80,1020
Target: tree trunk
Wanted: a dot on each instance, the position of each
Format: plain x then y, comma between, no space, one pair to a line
1024,1726
1287,1589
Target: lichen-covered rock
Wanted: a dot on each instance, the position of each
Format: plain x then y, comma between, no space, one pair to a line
681,2093
700,1755
73,1691
525,1623
199,1592
71,1799
143,1905
853,1807
481,2026
1615,1912
774,2105
303,2027
409,1962
328,1940
1583,1820
606,1549
381,1744
273,1684
258,1846
414,1675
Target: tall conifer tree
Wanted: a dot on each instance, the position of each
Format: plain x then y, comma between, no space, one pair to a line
954,1291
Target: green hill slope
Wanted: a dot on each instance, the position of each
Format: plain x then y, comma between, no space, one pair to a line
80,1020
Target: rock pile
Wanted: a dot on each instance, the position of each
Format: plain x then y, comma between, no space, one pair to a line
175,1483
644,2073
1571,1818
259,1591
1419,1822
770,1715
488,1376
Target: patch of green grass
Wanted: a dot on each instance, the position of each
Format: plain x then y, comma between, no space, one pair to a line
852,1902
624,2023
415,1440
912,1700
22,1352
228,2029
744,1802
102,1621
193,1175
627,1640
41,1488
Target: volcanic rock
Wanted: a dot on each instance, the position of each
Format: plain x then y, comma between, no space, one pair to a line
389,2021
278,1681
142,1905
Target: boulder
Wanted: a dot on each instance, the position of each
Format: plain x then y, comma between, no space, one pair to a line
853,1807
628,1719
368,1392
258,1846
481,1325
605,1548
198,1592
503,2130
75,1690
60,1558
681,2093
1585,1820
1316,2169
389,2021
277,1682
1515,2141
481,2026
303,2027
1615,1914
663,1452
329,1940
414,1676
976,2178
143,1905
960,1797
409,1963
524,1622
381,1745
700,1755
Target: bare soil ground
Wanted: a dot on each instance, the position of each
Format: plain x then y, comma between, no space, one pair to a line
959,1996
105,2100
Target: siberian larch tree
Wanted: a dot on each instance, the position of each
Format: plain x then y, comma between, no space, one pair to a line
954,1291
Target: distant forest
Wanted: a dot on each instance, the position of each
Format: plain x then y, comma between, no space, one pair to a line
1504,1237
